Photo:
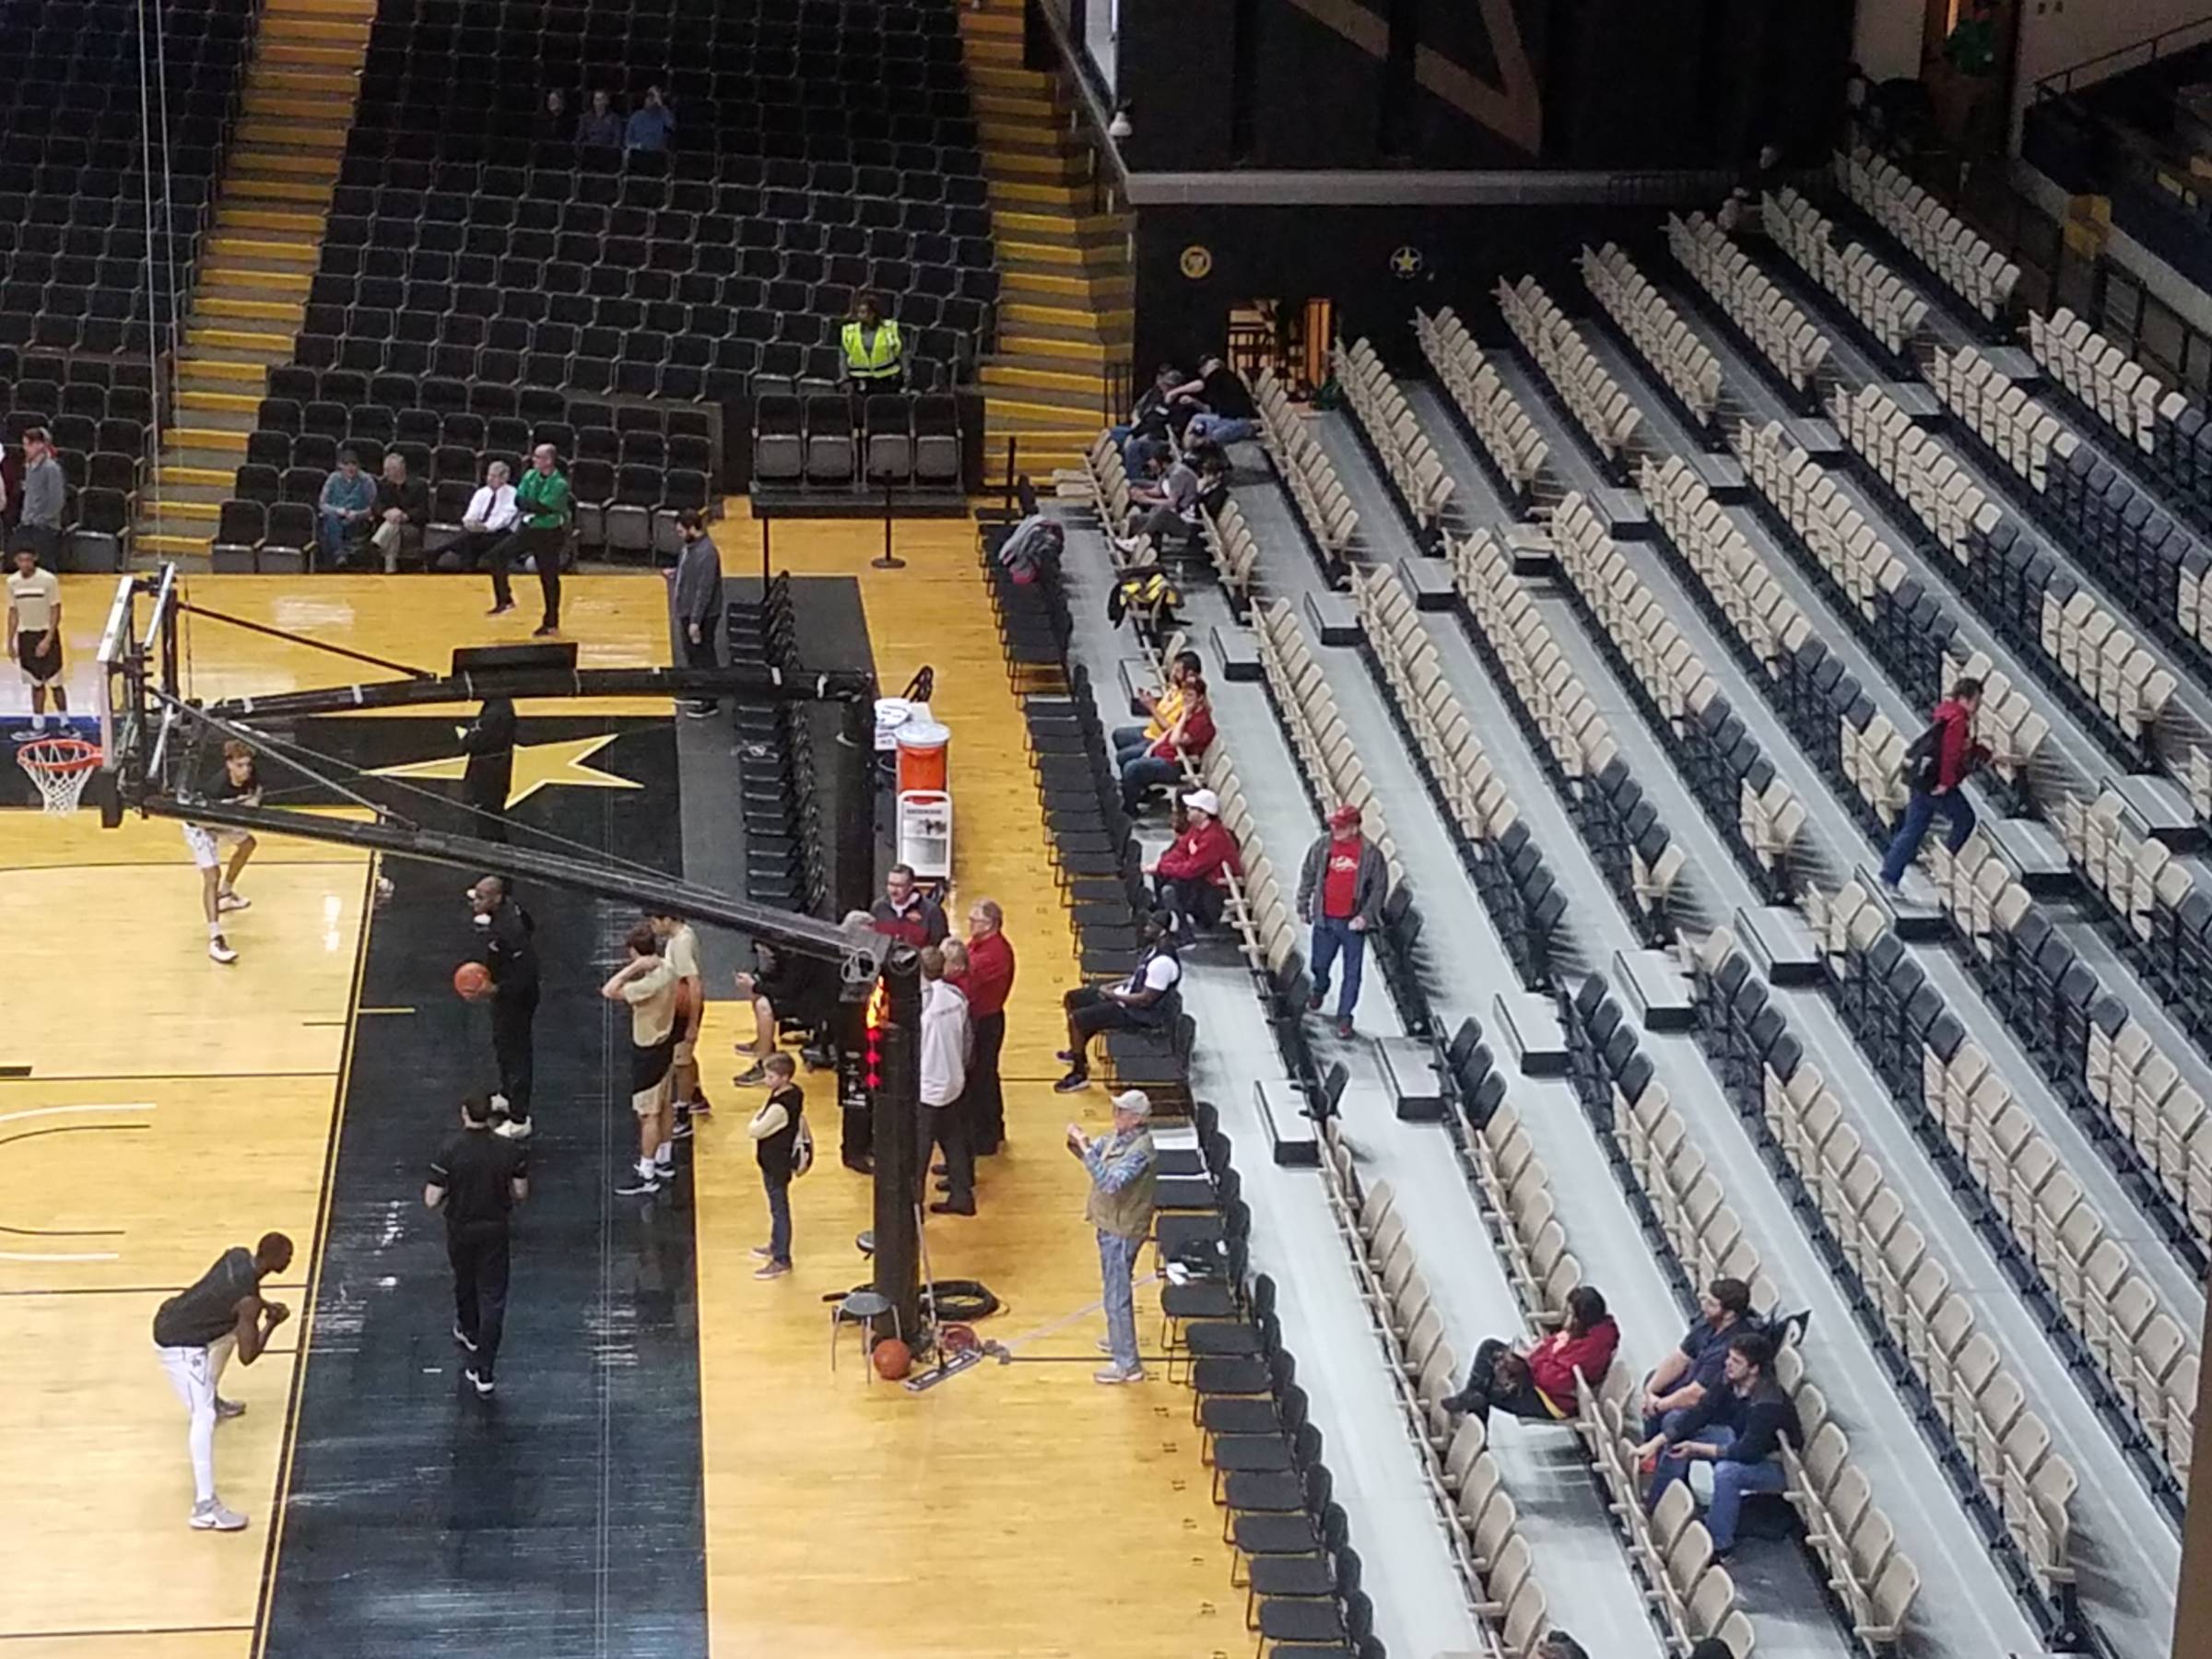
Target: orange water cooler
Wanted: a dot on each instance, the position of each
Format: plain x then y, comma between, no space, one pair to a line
924,816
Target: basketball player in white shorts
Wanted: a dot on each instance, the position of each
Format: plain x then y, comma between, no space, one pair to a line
679,947
34,632
211,846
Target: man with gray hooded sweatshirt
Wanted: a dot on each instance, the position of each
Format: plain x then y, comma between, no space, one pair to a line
698,604
1340,891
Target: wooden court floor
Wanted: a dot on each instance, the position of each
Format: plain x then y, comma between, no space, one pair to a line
172,1108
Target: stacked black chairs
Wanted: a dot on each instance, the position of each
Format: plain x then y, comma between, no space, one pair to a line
818,152
75,220
783,826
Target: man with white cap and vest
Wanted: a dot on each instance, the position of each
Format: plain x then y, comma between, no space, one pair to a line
1340,891
1124,1170
874,355
1191,877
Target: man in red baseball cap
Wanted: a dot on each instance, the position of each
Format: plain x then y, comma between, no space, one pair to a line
1340,891
1190,880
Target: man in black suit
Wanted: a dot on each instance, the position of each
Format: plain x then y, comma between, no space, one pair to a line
489,742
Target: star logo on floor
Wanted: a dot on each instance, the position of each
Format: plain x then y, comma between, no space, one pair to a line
560,764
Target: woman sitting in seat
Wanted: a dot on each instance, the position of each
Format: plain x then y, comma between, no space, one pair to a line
1186,739
1538,1384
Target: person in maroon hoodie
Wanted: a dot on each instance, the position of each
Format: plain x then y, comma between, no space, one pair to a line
988,982
1937,766
1187,739
1539,1383
907,914
1191,879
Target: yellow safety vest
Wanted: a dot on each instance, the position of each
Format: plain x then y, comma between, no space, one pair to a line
874,359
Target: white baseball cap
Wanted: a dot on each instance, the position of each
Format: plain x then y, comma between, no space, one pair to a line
1134,1101
1204,800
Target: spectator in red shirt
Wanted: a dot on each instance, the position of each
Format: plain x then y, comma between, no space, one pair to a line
1538,1383
1191,881
1340,891
988,982
1187,739
1937,766
905,912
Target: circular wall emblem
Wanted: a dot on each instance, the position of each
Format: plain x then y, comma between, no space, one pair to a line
1405,262
1197,261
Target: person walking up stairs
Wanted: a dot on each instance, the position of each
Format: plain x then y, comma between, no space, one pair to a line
250,294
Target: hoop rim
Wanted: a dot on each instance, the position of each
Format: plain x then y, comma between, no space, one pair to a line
58,756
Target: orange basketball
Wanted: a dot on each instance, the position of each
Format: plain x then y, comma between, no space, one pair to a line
472,981
892,1360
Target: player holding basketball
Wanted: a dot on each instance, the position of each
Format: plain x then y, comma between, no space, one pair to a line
196,1331
34,625
508,949
238,785
679,946
647,985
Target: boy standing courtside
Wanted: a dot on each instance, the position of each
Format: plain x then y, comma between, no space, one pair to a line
196,1331
238,785
647,985
34,625
776,1129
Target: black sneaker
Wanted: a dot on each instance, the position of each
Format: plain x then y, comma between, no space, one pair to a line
631,1184
683,1127
948,1208
1072,1082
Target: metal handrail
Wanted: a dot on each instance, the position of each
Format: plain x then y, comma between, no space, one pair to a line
2059,83
1093,112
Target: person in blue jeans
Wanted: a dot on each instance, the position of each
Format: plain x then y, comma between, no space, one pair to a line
776,1132
1680,1383
1739,1428
1341,887
1937,766
1124,1172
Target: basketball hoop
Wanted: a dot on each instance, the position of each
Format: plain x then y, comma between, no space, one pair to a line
61,766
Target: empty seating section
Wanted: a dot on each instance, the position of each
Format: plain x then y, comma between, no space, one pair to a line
1936,236
828,440
75,218
1500,425
2140,1356
1683,361
1670,1179
1891,312
1392,428
1323,504
1747,297
820,150
2103,669
1478,1514
1507,871
1556,346
1723,764
1929,1328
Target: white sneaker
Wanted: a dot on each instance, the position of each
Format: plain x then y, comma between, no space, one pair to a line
218,950
227,1410
1115,1373
215,1516
233,901
511,1130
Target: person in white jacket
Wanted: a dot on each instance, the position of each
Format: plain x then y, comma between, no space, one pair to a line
945,1039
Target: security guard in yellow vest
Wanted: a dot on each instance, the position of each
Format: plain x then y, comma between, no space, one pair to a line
874,355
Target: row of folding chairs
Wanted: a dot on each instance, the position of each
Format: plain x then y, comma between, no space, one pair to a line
894,193
1884,1263
1318,735
1907,626
2147,889
1106,485
1562,709
2141,1356
1508,869
1500,425
2104,379
1555,345
1395,429
2014,425
1780,333
1888,307
1710,542
1466,1486
1844,1523
2103,665
1323,505
1936,236
1683,361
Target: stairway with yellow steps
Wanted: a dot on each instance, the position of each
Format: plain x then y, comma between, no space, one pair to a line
1065,291
249,295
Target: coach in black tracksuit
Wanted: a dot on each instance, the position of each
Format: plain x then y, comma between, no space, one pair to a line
489,742
509,951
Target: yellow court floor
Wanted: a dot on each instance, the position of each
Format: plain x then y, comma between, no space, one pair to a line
1015,1509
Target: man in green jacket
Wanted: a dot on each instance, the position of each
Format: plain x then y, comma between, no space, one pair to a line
1124,1170
543,501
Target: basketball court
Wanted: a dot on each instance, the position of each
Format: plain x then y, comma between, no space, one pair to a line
672,1466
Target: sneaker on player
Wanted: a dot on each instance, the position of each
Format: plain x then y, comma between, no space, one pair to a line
663,1171
228,901
461,1338
635,1182
219,949
227,1410
483,1385
214,1515
753,1076
683,1124
514,1129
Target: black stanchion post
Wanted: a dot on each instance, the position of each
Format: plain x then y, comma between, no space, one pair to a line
889,561
764,560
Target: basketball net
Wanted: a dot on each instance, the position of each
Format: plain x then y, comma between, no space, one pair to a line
61,766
